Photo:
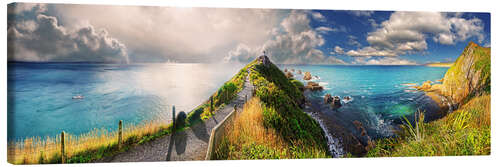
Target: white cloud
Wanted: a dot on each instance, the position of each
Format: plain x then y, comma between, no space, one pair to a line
383,61
359,13
324,30
373,23
178,34
39,37
406,32
296,45
337,50
353,41
318,16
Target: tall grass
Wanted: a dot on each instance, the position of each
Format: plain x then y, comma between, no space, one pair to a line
463,132
37,150
248,138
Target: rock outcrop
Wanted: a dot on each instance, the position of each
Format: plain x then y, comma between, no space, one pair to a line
289,74
264,60
469,75
307,76
336,102
328,98
313,86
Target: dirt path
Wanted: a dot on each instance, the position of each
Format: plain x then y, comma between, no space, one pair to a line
190,144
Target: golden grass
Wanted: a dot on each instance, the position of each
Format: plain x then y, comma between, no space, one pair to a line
248,138
37,150
249,127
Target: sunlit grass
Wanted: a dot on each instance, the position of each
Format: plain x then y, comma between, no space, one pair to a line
248,138
466,131
37,150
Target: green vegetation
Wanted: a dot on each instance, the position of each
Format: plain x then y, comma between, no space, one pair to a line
248,138
466,131
463,132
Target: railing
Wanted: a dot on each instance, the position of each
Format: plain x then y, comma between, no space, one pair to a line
216,134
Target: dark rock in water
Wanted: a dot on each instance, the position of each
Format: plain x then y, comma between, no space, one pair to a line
286,70
300,72
293,70
336,102
313,86
365,139
328,98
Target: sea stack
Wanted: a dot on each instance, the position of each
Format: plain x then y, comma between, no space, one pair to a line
336,102
328,98
313,86
307,76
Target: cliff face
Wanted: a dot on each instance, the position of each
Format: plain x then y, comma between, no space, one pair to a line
469,75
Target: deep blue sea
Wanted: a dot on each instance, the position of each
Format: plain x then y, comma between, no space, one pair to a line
40,95
381,95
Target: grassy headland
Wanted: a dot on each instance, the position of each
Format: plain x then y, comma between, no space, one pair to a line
100,143
273,124
465,131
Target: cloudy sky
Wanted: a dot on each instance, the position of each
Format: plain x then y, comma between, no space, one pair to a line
128,34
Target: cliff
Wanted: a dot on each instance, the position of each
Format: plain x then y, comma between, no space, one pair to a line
470,75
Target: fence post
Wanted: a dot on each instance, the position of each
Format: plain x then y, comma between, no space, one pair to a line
120,135
173,118
235,107
246,98
63,156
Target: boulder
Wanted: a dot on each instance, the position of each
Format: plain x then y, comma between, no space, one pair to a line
328,98
289,74
425,86
307,76
300,72
286,70
313,86
336,102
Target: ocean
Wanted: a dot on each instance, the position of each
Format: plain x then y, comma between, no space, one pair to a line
40,95
380,95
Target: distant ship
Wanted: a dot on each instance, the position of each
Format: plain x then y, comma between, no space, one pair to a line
78,97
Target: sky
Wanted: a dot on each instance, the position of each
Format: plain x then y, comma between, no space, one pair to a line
147,34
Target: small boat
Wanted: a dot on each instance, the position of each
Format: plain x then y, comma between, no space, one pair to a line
78,97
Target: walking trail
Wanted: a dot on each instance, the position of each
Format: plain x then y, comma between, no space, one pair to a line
190,144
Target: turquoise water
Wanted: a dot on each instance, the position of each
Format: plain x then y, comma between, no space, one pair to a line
380,94
40,95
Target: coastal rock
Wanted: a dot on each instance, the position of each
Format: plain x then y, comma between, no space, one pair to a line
328,98
286,70
307,76
470,75
300,72
336,102
289,74
366,140
425,86
313,86
293,70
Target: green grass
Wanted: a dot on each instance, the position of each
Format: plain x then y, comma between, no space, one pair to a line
463,132
282,99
